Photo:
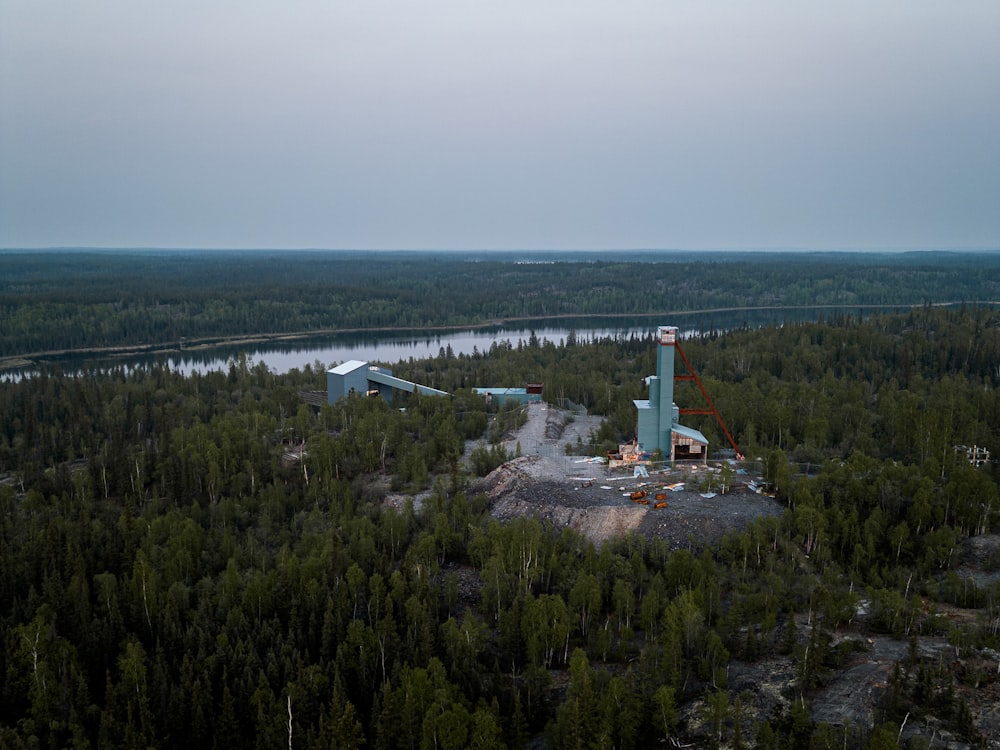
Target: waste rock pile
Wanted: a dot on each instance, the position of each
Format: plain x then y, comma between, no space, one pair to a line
565,491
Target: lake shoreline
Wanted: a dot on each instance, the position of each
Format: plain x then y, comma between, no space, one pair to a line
208,343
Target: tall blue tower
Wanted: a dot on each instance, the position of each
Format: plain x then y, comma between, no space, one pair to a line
657,415
666,344
658,425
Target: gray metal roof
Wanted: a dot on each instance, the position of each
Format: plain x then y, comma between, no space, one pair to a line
690,433
375,376
345,368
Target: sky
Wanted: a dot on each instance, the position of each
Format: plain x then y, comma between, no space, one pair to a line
500,124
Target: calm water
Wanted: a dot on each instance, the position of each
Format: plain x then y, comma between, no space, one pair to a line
389,348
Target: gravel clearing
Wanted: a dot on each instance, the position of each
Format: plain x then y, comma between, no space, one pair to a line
546,483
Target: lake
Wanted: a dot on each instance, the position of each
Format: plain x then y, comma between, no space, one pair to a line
391,347
387,348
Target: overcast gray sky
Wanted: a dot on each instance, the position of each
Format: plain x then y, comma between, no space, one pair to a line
500,123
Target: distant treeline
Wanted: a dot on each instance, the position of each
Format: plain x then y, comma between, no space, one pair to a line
81,299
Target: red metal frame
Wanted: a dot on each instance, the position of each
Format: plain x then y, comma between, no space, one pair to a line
692,375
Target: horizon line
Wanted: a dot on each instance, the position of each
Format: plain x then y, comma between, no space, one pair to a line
751,249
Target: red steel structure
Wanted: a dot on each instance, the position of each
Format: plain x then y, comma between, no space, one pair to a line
692,375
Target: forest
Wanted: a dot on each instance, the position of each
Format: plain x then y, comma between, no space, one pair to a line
87,299
207,561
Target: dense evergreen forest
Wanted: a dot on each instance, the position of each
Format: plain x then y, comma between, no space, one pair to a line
54,301
208,562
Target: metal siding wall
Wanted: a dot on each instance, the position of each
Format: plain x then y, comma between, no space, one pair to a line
334,387
665,402
338,386
646,431
358,380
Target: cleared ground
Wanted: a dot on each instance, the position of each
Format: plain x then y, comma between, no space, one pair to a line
547,483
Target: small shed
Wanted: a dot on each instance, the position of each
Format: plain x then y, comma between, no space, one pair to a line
687,444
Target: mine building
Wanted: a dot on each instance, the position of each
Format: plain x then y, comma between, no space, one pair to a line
500,397
658,424
367,379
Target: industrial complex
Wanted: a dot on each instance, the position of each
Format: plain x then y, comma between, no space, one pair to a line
658,427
